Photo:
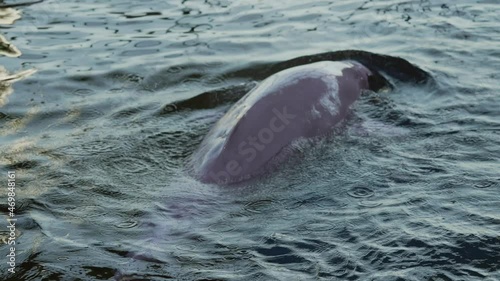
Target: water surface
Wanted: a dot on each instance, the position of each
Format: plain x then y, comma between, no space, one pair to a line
102,193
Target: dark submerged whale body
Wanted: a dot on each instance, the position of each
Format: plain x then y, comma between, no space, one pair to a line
302,98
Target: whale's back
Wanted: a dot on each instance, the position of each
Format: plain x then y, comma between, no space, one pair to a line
299,102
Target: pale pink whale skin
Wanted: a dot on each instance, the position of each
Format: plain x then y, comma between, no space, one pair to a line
300,102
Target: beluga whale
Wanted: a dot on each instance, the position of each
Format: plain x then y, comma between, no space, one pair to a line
304,100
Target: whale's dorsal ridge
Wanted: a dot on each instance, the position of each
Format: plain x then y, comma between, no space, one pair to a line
300,102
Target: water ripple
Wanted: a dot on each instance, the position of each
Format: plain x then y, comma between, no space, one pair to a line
259,206
130,164
221,227
361,192
94,158
319,226
484,184
126,224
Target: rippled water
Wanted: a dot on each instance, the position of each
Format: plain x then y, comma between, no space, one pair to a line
101,189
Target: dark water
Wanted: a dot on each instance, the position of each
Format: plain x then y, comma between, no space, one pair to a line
101,192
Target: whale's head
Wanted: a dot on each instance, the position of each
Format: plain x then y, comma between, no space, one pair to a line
354,79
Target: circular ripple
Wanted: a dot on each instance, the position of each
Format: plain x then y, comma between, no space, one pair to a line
215,80
202,27
175,69
126,224
361,192
484,184
382,173
186,247
221,227
369,204
259,206
130,165
83,92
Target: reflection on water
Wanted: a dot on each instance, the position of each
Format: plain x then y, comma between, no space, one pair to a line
6,80
7,17
8,49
